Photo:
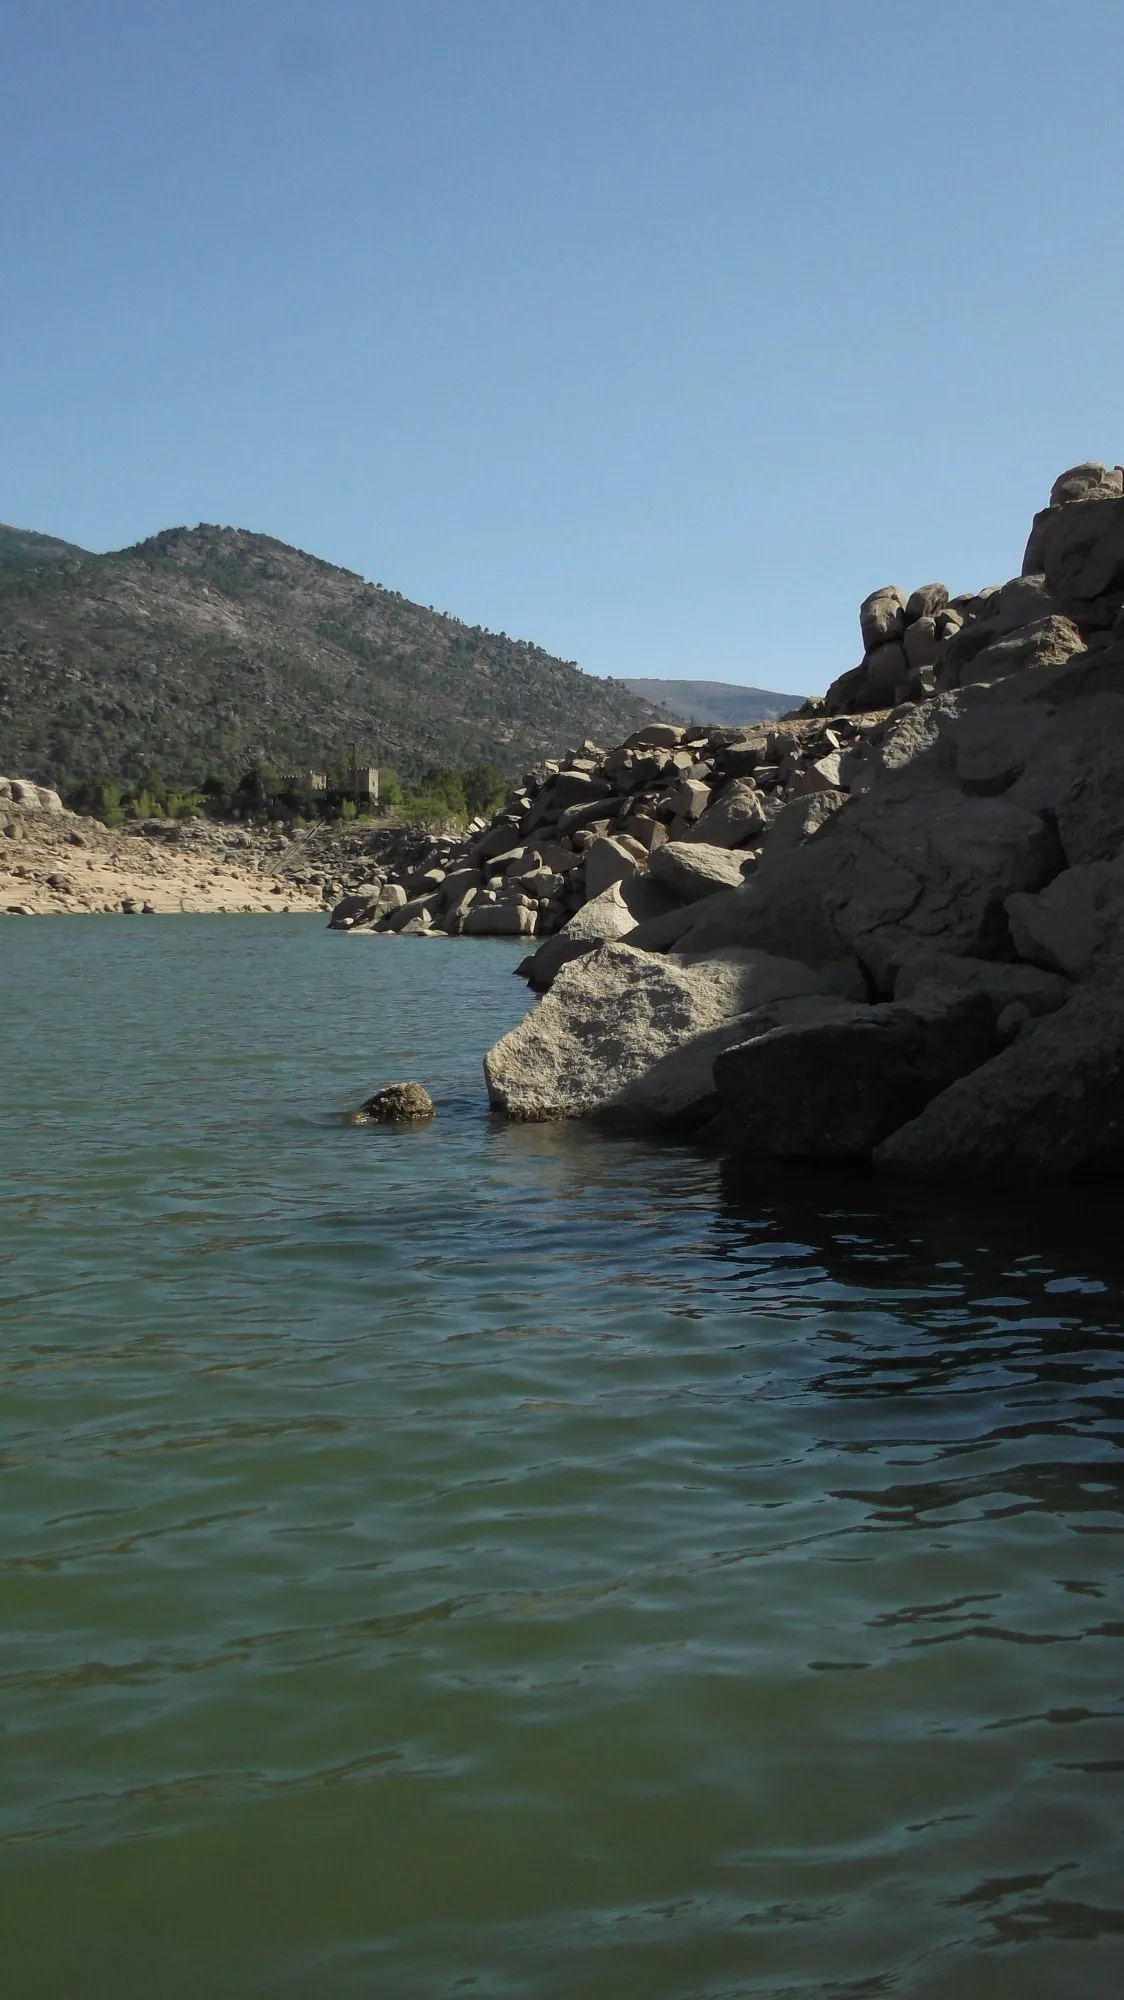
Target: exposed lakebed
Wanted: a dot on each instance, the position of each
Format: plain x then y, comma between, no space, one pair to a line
515,1561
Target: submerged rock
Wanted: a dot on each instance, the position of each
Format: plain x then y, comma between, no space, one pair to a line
397,1104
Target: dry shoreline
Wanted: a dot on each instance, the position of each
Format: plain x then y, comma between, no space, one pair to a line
58,863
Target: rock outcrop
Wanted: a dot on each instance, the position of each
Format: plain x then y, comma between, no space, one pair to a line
611,1016
33,798
832,1089
1050,1104
894,934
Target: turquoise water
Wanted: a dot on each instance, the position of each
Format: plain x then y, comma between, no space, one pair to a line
507,1561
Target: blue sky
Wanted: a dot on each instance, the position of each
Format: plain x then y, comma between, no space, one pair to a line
658,332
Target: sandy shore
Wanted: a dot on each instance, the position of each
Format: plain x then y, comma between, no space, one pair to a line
58,864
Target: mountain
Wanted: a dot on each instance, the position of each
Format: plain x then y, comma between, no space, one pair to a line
714,701
20,546
201,649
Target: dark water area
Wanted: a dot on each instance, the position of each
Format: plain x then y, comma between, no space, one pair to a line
506,1561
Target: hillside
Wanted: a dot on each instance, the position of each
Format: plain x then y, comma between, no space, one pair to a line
715,702
201,649
21,546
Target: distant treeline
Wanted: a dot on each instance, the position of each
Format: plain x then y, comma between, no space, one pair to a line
262,794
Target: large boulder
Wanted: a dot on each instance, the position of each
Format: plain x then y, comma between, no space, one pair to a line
910,736
564,793
914,732
896,869
731,819
456,887
498,920
679,1090
664,735
820,774
363,906
599,921
646,898
1056,754
1079,549
575,819
988,747
1091,481
885,668
633,903
1005,984
689,800
832,1089
797,821
692,869
608,860
661,933
1076,924
882,617
1073,770
495,841
1050,1104
922,643
611,1016
1023,600
847,692
425,907
1098,670
1047,642
926,602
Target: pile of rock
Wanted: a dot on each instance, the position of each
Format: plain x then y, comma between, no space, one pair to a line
922,964
328,858
1068,596
675,814
667,817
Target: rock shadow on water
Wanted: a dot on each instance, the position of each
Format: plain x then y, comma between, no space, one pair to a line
1066,1234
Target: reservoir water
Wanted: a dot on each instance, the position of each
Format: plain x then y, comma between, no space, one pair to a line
509,1561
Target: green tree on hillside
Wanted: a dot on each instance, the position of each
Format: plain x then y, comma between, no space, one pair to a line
485,789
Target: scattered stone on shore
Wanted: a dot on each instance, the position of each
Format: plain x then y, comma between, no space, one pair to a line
61,863
397,1104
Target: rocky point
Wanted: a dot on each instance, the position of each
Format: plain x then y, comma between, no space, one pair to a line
886,930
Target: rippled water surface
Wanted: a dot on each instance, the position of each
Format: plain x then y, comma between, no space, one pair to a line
508,1561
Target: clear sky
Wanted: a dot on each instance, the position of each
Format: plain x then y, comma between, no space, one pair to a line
659,331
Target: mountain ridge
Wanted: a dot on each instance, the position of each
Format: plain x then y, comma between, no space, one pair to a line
202,649
22,546
716,702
